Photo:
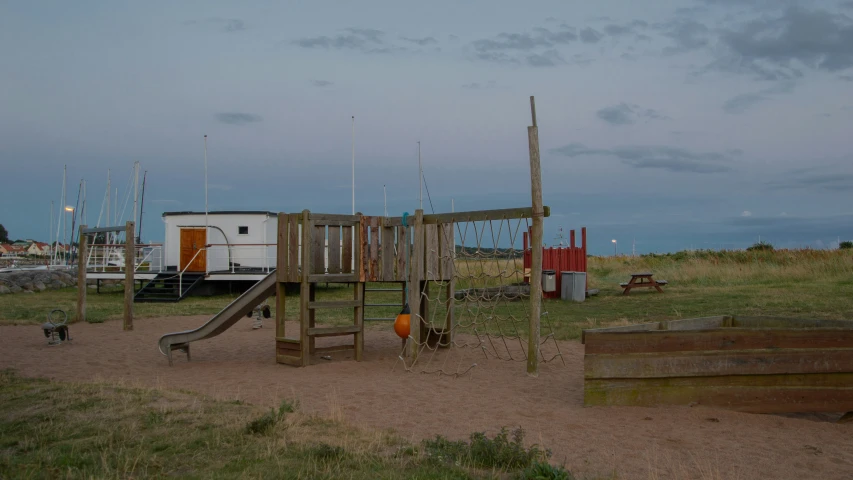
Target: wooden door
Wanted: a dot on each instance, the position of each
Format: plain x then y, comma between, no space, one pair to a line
193,240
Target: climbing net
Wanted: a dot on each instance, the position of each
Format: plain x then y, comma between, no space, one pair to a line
477,307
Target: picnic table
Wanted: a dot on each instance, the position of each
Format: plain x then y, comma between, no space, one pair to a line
642,280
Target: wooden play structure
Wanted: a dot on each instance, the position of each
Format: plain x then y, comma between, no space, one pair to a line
354,250
749,364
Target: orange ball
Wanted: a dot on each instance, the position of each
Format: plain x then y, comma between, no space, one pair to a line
402,324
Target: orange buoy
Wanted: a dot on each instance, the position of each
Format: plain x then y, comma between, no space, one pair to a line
402,324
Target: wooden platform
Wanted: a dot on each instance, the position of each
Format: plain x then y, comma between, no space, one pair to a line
751,364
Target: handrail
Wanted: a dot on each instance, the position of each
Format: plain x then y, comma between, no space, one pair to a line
181,274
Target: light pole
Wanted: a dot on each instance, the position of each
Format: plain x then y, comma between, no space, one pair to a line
65,232
615,246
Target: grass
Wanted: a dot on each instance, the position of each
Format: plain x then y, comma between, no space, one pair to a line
798,283
73,430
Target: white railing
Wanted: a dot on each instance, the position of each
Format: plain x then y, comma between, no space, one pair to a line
110,258
240,257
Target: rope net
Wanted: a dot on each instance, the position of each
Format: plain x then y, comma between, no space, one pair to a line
478,310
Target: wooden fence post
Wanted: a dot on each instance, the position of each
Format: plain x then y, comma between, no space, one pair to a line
535,246
129,256
82,258
416,275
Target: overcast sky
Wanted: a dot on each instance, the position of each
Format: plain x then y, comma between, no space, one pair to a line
694,123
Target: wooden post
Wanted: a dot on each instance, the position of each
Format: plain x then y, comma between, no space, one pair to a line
305,287
281,274
82,258
129,256
416,274
535,246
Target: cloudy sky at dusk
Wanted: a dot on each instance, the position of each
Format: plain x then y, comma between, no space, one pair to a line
693,123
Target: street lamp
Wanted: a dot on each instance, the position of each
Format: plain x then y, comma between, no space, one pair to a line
615,245
65,232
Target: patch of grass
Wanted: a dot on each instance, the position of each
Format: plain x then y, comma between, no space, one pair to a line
505,452
73,430
545,471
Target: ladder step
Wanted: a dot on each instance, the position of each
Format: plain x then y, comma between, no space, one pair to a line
333,331
335,304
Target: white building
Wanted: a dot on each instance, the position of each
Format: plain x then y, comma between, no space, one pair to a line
225,244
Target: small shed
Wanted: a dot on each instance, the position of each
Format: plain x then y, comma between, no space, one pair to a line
220,242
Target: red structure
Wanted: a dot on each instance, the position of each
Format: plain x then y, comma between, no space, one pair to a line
559,259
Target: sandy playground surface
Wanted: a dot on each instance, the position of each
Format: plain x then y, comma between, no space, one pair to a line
666,442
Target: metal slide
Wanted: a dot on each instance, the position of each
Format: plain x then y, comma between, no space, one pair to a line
221,321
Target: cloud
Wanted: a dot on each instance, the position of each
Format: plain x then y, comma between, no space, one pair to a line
673,159
421,41
366,40
480,86
846,78
773,48
686,35
746,213
831,182
848,4
228,25
741,103
617,30
536,48
236,118
588,35
627,114
321,83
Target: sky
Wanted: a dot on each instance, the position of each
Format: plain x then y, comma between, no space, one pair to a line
665,125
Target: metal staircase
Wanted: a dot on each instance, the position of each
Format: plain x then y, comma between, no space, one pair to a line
168,287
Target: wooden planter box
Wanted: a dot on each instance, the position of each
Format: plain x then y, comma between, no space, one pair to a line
749,364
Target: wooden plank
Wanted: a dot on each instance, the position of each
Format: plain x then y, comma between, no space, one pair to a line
362,257
335,348
536,233
736,362
723,339
312,316
281,257
432,254
293,247
305,288
346,255
788,323
401,254
288,348
332,278
415,284
387,254
280,308
749,393
336,223
358,320
334,249
289,360
292,341
483,215
374,249
446,249
333,331
323,218
318,248
335,304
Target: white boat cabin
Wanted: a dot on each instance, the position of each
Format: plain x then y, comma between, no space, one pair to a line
224,244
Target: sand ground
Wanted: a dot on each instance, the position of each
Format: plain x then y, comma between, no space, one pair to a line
634,442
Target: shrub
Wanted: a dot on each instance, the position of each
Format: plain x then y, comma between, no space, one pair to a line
545,471
760,247
845,245
500,452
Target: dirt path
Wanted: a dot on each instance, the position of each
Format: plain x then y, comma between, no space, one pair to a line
636,442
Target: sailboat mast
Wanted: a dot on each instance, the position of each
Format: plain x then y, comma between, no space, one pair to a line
109,198
141,208
135,191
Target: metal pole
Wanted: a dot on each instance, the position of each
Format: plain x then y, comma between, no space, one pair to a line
205,189
353,164
420,180
385,196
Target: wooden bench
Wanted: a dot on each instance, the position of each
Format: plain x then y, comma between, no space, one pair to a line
643,279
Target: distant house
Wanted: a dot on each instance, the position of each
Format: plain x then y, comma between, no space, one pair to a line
4,248
39,249
13,250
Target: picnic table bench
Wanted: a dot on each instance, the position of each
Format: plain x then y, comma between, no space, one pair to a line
644,280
